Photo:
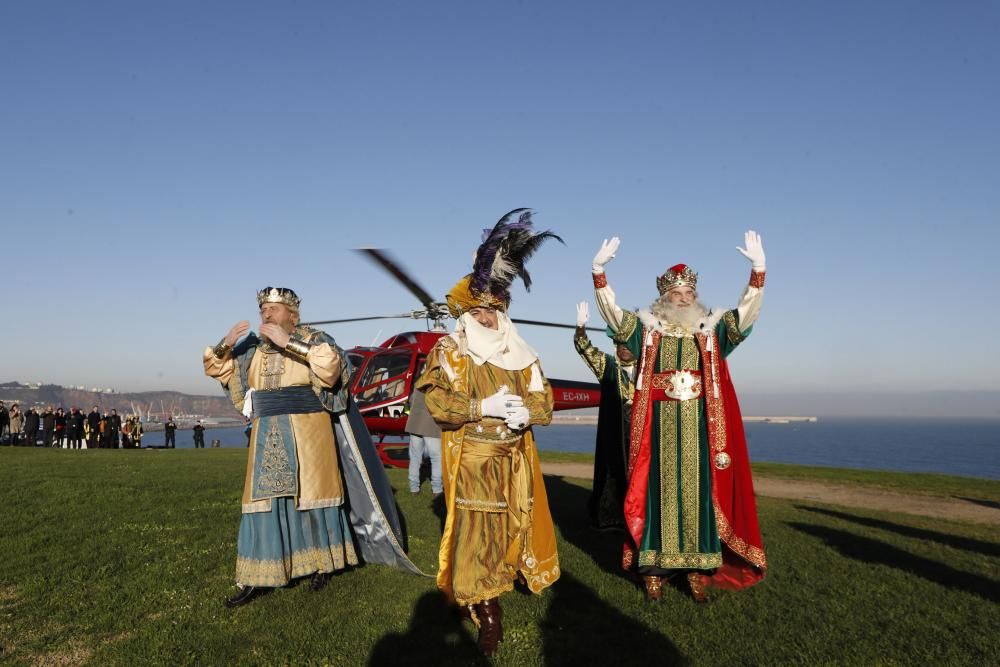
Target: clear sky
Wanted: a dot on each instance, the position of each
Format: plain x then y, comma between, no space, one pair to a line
160,162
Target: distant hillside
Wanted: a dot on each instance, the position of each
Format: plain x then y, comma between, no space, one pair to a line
157,403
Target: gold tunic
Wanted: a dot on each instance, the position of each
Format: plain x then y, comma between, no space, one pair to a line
498,523
319,481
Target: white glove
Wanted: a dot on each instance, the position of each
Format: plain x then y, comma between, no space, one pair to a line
582,313
500,403
605,254
248,404
754,250
518,418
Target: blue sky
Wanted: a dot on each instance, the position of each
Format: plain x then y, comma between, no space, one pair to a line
160,163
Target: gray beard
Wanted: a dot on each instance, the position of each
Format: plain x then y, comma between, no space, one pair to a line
687,318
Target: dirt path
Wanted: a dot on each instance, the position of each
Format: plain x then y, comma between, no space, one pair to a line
839,494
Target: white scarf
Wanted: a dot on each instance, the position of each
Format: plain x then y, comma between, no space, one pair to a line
503,347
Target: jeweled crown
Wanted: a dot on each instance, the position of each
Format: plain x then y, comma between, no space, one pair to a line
278,295
679,275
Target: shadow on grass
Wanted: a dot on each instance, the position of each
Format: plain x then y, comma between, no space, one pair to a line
992,504
873,551
568,503
954,541
435,637
581,629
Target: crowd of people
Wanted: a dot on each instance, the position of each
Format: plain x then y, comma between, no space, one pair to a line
68,429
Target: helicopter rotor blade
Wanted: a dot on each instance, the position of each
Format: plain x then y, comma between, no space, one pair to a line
360,319
382,259
556,325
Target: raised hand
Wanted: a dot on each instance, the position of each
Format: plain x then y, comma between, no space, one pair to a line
238,330
754,250
606,253
582,313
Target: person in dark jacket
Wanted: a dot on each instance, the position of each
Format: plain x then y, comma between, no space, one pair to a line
170,433
116,428
77,419
31,424
60,433
48,426
93,428
199,435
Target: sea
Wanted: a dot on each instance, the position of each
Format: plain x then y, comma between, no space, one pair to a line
967,447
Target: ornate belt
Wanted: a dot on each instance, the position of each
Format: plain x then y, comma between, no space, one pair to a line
492,431
681,385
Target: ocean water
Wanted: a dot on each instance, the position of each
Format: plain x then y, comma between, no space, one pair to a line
968,447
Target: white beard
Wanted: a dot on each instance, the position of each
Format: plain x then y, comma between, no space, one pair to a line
689,318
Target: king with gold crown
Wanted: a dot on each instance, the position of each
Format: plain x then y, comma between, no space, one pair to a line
689,505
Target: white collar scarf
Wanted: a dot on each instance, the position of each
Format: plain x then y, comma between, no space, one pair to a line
503,347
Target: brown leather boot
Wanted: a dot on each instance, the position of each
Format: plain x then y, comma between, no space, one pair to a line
490,616
697,583
654,587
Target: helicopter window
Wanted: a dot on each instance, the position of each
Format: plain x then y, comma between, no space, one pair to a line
357,360
384,377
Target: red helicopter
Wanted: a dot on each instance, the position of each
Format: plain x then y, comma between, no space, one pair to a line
382,377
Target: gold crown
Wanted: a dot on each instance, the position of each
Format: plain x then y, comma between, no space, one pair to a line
679,275
278,295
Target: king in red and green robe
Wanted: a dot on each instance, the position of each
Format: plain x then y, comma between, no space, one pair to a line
690,504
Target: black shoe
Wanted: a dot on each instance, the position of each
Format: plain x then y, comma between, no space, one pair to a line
319,581
244,596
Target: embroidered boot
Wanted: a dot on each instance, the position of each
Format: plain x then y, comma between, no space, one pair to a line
654,587
697,583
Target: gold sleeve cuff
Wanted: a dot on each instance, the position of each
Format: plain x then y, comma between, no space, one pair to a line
475,410
221,349
756,279
298,348
600,280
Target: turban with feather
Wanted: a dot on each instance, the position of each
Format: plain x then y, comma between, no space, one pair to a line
500,258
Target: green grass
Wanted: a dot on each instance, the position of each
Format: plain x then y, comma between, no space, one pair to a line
903,482
915,483
123,558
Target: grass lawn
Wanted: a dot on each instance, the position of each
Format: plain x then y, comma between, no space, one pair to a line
123,558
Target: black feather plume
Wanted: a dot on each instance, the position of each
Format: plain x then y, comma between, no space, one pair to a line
505,250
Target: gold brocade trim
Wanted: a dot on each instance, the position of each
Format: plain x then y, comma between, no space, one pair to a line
714,407
272,368
542,579
641,400
690,561
690,478
318,504
667,355
492,431
593,357
275,477
751,554
471,504
756,279
600,280
627,327
273,573
670,508
733,332
258,506
482,596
